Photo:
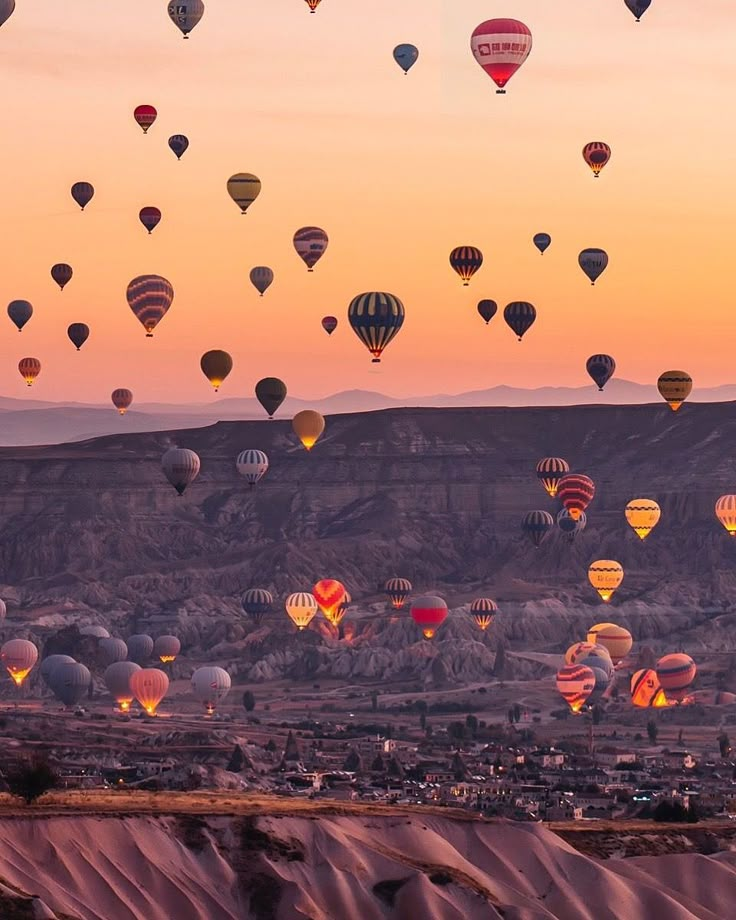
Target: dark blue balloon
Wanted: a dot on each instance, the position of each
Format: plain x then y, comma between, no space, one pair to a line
406,56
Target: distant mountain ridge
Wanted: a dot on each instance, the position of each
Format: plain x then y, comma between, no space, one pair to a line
32,422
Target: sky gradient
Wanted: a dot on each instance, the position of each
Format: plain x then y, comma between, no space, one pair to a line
398,170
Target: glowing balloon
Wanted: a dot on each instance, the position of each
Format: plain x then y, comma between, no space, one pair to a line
643,515
616,640
18,657
676,674
29,369
577,652
398,590
483,610
550,471
429,613
576,492
575,683
675,387
122,399
166,649
308,426
596,155
646,691
149,686
244,188
329,594
606,576
501,46
216,365
301,608
726,513
117,680
313,4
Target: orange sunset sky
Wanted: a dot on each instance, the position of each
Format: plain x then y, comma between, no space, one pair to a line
398,170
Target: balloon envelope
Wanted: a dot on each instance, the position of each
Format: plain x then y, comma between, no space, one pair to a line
576,492
83,193
216,365
398,589
261,277
726,513
166,648
117,680
542,241
18,657
20,311
210,685
550,471
301,608
406,56
643,515
329,324
185,14
466,260
7,8
600,368
429,613
113,650
487,309
145,116
615,639
376,318
252,465
329,595
638,7
140,648
257,602
150,217
675,674
244,188
78,334
483,610
575,683
62,274
49,663
149,686
501,46
122,399
310,244
308,426
596,154
537,525
270,393
179,144
69,682
606,576
593,263
520,317
29,369
150,297
675,387
181,467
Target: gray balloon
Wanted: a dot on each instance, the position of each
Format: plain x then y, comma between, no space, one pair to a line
48,665
70,682
140,648
113,650
117,680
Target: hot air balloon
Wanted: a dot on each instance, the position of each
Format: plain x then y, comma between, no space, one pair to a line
150,217
313,4
726,513
122,399
466,260
483,610
83,193
253,465
94,630
149,297
606,576
140,648
145,115
638,7
78,334
577,652
20,311
210,685
216,365
179,144
244,188
576,492
536,525
601,368
329,594
29,369
643,515
542,241
308,426
149,686
3,610
596,155
398,589
676,674
487,309
310,244
616,640
186,15
429,613
18,657
501,46
339,613
329,324
520,317
675,387
166,649
69,682
7,8
597,657
62,274
181,467
301,608
376,317
646,690
575,683
256,603
270,393
113,650
568,525
406,56
49,663
593,263
117,680
261,277
550,471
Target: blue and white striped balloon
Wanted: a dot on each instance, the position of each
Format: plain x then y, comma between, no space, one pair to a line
253,465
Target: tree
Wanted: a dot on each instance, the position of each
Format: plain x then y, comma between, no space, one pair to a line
353,763
456,731
271,746
517,712
249,701
724,743
472,725
510,715
652,732
377,765
423,720
679,737
374,701
28,779
499,665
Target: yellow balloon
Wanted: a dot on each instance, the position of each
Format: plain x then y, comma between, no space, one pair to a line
726,512
675,387
606,576
643,515
616,640
579,652
308,426
244,188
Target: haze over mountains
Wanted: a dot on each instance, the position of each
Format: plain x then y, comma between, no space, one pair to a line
31,421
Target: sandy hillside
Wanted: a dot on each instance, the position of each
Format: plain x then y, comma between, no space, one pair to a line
367,867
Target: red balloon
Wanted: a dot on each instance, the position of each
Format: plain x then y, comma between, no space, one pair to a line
329,595
501,46
150,218
329,324
576,492
429,612
145,115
